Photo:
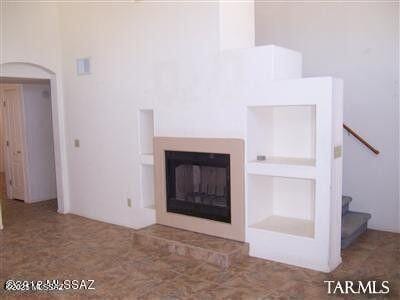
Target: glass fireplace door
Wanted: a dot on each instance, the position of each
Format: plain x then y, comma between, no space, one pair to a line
198,184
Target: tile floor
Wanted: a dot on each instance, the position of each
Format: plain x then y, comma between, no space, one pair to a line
37,243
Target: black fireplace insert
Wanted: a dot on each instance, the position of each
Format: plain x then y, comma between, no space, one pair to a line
198,184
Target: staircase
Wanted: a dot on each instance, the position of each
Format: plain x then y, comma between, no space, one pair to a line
353,223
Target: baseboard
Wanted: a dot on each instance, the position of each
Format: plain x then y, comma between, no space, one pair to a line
87,216
41,200
383,230
334,264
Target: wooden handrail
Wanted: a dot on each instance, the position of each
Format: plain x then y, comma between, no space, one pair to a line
358,137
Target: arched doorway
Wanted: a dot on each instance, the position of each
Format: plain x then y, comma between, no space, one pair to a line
26,70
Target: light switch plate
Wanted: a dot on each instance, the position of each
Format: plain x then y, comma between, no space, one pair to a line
337,152
77,143
129,200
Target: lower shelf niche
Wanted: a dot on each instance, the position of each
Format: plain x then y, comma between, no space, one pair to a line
147,186
281,204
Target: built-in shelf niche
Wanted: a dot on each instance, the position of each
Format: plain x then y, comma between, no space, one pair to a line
281,204
146,131
146,135
147,186
284,134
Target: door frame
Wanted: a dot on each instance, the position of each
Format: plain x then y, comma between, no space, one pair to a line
7,161
28,70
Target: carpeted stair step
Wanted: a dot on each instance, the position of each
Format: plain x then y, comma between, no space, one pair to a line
353,225
345,204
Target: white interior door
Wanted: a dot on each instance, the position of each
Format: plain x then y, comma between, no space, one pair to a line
15,159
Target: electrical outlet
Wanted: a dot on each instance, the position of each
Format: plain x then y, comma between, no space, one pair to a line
337,152
129,201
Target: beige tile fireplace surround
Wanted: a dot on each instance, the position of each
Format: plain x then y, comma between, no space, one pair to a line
235,148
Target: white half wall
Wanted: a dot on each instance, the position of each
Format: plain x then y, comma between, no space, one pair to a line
41,171
359,43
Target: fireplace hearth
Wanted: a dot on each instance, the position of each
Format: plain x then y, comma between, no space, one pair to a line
198,184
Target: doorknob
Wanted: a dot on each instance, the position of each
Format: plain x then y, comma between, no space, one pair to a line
19,152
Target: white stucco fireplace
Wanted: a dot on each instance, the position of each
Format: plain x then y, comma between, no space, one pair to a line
245,103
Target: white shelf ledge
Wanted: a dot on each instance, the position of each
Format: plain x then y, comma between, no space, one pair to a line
147,159
296,161
284,167
292,226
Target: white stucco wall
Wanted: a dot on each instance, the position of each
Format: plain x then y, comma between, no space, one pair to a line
28,29
39,141
359,43
135,49
30,48
236,24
